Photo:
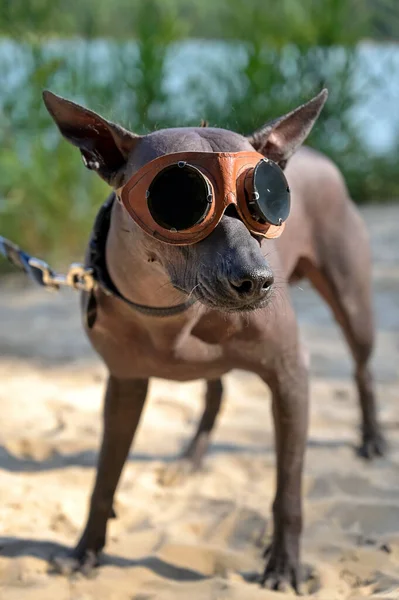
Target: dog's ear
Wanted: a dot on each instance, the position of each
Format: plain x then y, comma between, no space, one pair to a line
280,138
105,146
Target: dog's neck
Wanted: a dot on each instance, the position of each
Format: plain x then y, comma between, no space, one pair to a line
128,266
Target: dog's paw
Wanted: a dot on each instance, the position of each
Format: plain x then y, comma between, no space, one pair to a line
176,473
373,446
282,571
76,562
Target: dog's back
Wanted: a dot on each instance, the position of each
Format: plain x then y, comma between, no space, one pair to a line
323,217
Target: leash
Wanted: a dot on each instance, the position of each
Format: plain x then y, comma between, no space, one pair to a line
77,277
80,277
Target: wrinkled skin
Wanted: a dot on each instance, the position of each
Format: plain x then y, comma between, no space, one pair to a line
243,317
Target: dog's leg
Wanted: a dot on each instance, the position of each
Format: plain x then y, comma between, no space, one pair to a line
124,401
192,457
373,442
198,446
353,311
289,386
342,278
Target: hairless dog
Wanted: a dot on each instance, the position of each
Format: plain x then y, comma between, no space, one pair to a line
200,310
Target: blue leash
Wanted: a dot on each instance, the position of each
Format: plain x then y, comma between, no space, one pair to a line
78,277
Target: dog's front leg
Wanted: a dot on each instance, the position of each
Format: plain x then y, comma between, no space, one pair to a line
289,386
123,405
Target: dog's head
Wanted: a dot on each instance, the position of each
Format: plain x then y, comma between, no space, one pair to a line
227,270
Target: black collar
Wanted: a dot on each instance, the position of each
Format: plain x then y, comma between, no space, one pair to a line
97,262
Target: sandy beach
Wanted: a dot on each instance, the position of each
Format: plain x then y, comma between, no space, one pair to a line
200,538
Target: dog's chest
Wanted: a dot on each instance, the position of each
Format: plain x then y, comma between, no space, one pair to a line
207,348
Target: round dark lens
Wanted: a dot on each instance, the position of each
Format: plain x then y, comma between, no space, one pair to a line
178,197
271,193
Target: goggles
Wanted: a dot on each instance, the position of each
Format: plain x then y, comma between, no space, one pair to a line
180,198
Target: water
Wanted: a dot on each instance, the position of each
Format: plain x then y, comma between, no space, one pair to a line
377,115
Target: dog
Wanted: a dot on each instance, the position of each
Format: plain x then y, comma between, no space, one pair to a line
198,302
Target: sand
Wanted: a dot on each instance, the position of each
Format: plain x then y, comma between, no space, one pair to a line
202,537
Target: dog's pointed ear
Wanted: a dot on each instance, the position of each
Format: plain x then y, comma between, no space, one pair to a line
104,145
279,139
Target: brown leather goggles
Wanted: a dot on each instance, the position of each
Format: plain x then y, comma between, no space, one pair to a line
180,198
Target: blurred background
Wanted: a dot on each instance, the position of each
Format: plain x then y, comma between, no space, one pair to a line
156,63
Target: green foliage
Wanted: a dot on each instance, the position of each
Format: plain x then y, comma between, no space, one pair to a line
48,202
206,19
274,56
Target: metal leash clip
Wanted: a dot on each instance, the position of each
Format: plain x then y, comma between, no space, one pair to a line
78,277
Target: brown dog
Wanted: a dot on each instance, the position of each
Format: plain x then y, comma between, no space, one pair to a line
213,287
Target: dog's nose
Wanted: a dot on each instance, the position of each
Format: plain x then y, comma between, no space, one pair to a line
252,284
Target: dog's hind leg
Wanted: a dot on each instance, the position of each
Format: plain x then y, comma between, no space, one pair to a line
342,276
192,457
124,402
198,446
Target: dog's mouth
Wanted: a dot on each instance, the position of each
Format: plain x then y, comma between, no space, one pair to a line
216,300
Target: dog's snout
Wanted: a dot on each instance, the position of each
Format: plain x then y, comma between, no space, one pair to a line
251,284
231,270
